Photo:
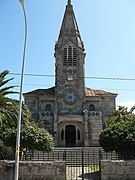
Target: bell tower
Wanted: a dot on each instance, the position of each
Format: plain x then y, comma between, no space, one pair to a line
73,113
69,66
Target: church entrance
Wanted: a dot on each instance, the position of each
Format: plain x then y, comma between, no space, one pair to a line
70,136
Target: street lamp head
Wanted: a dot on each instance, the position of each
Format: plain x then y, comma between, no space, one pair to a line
22,2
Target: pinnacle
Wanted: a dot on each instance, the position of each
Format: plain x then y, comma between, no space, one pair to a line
69,1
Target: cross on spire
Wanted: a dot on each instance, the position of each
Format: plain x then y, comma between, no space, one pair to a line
69,1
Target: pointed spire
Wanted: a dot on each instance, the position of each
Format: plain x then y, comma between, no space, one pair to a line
69,1
69,28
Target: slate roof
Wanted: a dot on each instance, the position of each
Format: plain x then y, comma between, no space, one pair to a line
51,92
47,92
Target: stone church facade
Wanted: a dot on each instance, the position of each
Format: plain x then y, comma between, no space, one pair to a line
73,113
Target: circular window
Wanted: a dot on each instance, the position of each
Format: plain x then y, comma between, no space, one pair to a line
75,70
47,114
70,97
70,70
64,70
51,114
43,114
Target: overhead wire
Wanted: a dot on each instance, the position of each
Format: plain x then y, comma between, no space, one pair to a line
47,85
86,77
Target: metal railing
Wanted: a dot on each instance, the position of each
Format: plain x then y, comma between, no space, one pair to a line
81,163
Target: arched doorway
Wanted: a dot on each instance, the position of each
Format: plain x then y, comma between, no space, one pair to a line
70,136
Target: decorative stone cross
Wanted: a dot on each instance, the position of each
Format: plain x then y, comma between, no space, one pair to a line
69,1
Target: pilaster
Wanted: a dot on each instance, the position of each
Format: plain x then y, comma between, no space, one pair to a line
55,129
86,137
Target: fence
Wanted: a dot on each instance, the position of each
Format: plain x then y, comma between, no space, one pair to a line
81,163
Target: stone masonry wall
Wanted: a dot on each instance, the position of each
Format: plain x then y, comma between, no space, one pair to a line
33,170
117,170
95,127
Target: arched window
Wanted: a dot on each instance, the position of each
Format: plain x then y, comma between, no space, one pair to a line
69,56
62,134
48,107
91,107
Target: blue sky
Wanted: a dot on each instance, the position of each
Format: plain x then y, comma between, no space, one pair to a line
107,28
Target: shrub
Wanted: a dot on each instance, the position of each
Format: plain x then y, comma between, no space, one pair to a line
120,135
6,152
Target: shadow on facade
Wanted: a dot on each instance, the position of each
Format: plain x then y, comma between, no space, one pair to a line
93,176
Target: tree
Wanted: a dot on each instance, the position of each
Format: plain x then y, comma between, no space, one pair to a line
120,134
3,81
4,91
8,106
32,136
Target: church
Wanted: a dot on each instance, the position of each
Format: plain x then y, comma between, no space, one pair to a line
74,114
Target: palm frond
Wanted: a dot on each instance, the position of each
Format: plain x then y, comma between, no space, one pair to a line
4,73
3,82
4,91
8,106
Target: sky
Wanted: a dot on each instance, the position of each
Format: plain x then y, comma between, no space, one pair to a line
107,28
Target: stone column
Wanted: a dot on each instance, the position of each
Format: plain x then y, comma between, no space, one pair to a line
55,129
86,136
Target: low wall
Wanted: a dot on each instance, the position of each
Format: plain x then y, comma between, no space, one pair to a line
117,170
33,170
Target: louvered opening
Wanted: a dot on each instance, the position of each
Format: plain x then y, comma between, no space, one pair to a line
65,57
70,56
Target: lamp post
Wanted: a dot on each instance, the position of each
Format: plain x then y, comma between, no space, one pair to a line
16,174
